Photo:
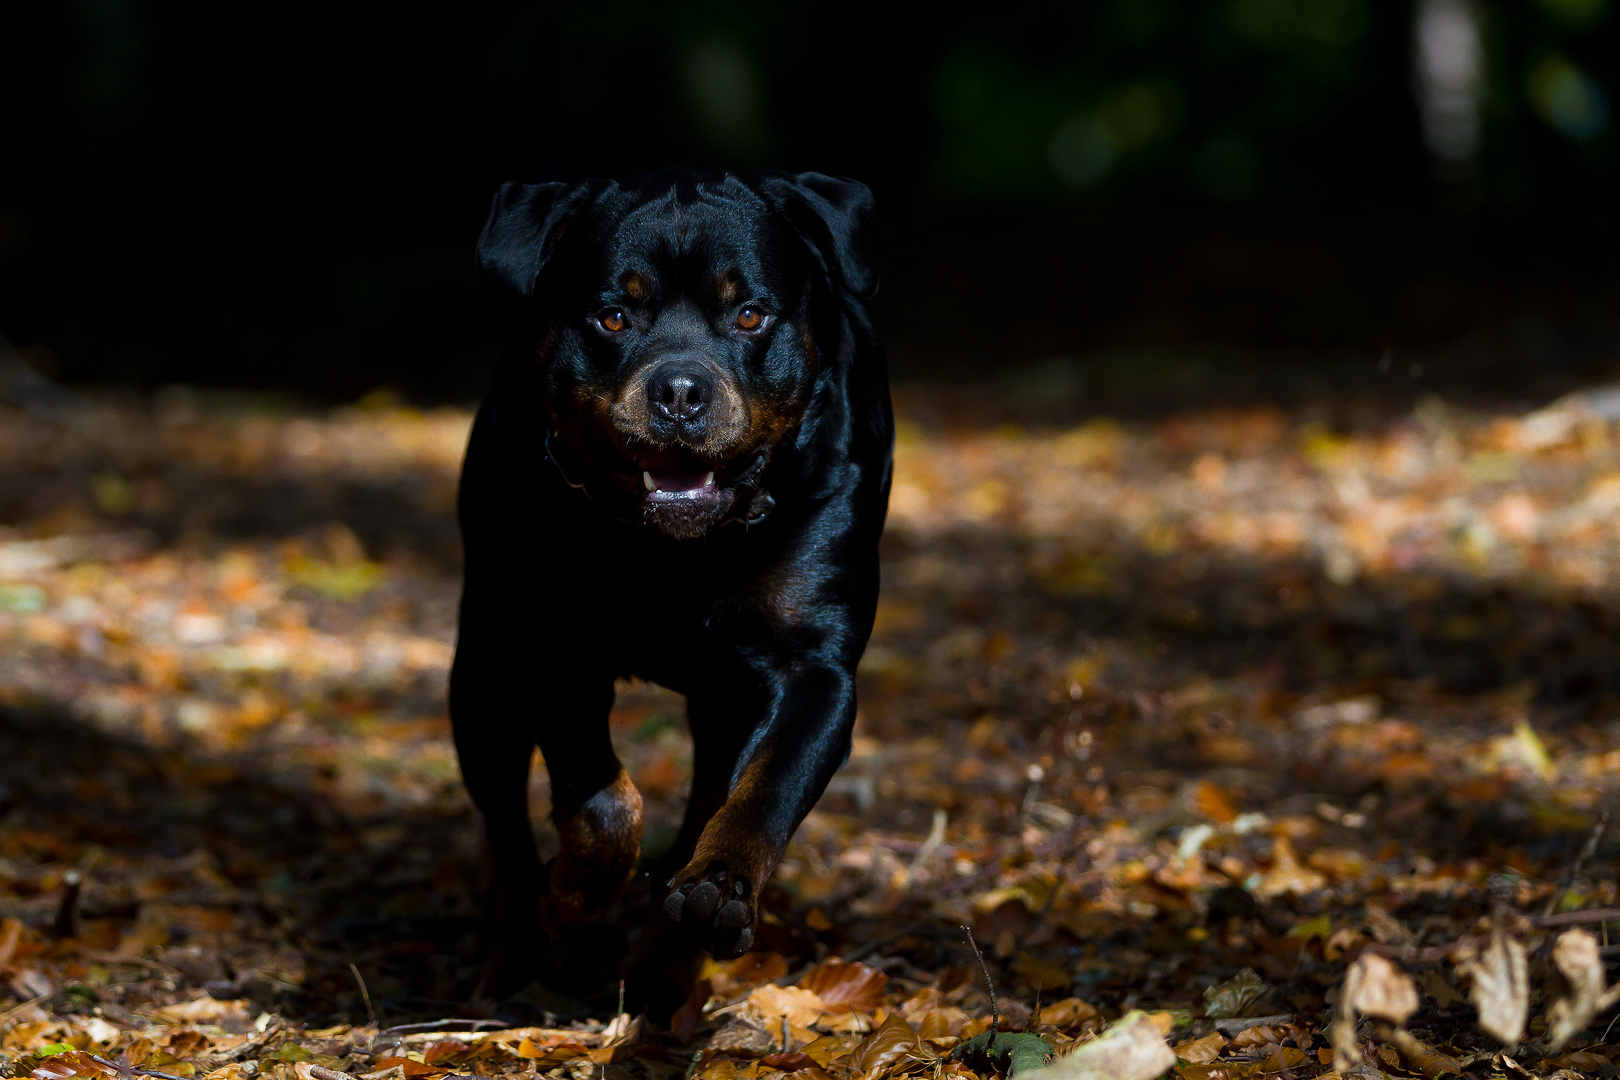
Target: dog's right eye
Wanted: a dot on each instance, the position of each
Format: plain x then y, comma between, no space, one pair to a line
612,321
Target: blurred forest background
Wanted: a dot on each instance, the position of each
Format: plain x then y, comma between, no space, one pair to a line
285,195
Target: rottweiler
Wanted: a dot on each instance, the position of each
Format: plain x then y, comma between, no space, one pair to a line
679,475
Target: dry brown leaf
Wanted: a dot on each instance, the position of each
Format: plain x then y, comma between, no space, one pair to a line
1067,1014
1577,986
892,1040
846,987
801,1007
1501,990
1375,987
1286,874
748,970
1132,1049
10,934
207,1010
741,1037
1419,1056
934,1025
1201,1051
690,1015
1372,987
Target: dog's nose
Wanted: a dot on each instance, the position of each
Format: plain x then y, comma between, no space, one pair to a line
680,393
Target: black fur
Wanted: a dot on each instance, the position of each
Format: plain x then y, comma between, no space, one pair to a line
754,598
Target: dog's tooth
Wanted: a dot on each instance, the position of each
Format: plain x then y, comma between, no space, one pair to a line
708,481
646,479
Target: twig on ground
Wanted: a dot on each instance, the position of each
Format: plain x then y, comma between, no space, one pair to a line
365,995
20,1006
132,1071
1587,851
1230,1028
448,1024
1578,918
990,987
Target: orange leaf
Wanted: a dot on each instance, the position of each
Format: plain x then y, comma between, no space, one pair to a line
846,987
439,1051
1067,1014
933,1025
788,1062
888,1044
690,1014
1201,1051
749,969
1211,802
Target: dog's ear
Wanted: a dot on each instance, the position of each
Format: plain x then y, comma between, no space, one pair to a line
832,214
524,225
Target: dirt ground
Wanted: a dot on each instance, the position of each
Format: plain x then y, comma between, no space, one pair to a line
1197,714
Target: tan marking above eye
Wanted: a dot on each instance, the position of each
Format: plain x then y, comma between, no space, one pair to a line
613,320
750,318
730,289
636,287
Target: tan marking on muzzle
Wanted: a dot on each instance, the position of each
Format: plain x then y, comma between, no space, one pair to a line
727,429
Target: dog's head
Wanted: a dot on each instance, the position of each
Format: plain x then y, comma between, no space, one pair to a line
676,320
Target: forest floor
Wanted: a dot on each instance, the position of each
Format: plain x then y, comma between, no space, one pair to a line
1194,714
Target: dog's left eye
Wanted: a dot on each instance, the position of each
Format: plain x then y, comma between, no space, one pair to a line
612,320
751,318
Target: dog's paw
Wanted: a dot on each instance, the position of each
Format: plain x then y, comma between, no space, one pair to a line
716,911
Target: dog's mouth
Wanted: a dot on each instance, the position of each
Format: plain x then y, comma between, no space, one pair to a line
676,475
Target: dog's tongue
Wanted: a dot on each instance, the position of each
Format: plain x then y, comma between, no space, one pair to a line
672,471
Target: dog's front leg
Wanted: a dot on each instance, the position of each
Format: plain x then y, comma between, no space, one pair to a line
784,768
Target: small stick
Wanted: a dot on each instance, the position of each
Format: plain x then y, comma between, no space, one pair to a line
365,995
1588,849
98,1059
787,1035
67,912
446,1025
1576,918
621,999
995,1010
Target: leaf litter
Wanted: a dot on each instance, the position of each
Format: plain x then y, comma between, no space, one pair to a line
1251,742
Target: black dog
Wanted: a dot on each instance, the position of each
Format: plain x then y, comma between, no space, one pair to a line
680,475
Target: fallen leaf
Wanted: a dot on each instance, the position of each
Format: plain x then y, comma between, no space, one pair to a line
1201,1051
1501,990
741,1037
1131,1049
1286,874
1577,986
788,1062
1067,1014
801,1007
892,1040
1375,987
1236,996
844,986
1372,987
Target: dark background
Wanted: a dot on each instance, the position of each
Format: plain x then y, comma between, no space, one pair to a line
286,195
